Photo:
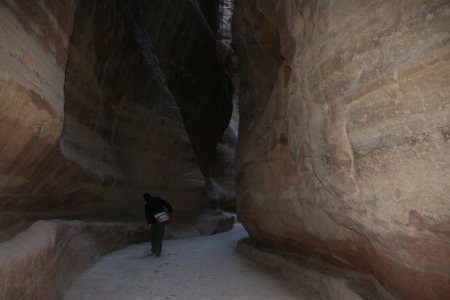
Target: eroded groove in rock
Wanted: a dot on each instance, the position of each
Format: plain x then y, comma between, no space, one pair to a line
133,17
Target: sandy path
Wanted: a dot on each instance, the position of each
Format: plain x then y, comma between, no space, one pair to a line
206,267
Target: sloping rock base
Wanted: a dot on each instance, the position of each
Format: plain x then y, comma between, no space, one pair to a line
40,262
329,281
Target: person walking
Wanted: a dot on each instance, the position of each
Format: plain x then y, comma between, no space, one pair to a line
157,218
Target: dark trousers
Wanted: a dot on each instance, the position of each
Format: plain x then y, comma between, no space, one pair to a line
157,235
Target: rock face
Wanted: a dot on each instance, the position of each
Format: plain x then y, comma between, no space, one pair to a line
122,123
344,149
199,83
41,262
103,100
203,92
34,43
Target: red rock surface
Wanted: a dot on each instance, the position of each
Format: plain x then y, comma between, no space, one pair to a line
343,146
34,44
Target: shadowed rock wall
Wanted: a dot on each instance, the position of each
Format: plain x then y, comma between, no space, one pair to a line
103,100
203,93
122,123
193,65
344,150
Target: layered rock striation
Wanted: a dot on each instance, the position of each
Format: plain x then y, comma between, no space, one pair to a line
34,44
344,150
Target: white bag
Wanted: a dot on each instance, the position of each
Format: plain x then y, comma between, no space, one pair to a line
162,217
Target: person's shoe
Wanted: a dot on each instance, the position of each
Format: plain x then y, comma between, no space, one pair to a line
158,254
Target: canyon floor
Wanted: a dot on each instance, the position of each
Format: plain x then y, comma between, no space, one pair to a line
205,267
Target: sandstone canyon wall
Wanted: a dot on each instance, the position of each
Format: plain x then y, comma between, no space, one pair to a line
344,145
103,100
34,47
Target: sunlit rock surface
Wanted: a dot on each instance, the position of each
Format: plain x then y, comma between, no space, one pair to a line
344,148
103,100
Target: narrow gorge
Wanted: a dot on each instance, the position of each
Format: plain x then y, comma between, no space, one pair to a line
324,125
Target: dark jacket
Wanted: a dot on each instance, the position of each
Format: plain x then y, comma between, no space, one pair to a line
155,205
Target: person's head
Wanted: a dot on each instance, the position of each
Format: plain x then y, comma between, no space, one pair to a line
147,197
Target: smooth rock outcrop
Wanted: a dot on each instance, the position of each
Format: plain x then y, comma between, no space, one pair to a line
330,282
41,262
344,149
